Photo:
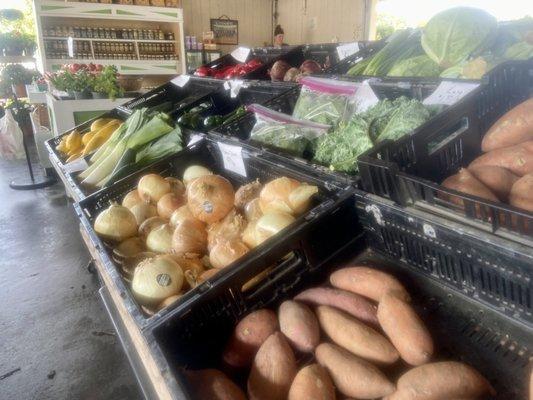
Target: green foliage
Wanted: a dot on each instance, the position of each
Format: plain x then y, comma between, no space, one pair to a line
415,66
15,74
106,81
387,24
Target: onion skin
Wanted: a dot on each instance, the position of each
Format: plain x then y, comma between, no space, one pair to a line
159,240
116,223
270,224
193,172
176,186
131,199
210,198
192,268
252,210
248,235
225,253
189,237
169,203
168,301
143,211
275,195
247,193
207,275
152,187
156,279
181,214
130,247
150,224
229,228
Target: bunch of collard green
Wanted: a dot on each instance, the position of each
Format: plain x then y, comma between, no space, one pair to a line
460,42
388,119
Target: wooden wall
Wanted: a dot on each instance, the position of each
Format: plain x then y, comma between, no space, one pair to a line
254,16
322,21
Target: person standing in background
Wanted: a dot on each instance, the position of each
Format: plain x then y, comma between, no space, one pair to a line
279,35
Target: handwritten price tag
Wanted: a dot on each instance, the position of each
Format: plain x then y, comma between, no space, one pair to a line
181,80
346,50
232,157
450,92
77,165
241,54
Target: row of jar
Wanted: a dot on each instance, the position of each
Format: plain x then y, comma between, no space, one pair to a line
107,33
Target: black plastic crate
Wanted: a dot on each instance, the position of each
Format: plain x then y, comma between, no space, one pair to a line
495,271
366,49
303,243
391,88
463,328
409,170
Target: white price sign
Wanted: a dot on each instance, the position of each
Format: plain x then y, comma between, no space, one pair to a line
346,50
77,165
449,92
70,46
241,54
232,157
194,138
181,80
365,97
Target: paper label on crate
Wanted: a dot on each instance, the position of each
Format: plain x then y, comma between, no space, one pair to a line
241,54
232,157
449,92
75,166
194,138
365,97
235,87
181,80
70,46
346,50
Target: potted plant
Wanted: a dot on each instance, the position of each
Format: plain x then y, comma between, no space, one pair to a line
105,83
12,43
16,76
29,44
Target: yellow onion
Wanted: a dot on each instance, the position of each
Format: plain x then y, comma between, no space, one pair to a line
156,279
176,186
189,237
193,172
207,275
129,247
116,223
152,187
191,266
270,224
252,210
131,199
159,240
181,214
248,235
150,224
229,228
210,198
225,253
169,203
247,193
142,211
168,301
286,195
129,264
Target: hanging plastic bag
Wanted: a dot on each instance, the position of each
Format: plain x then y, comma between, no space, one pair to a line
11,146
282,131
325,101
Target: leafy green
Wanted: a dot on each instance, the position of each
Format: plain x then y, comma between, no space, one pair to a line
453,35
519,51
323,108
165,145
415,66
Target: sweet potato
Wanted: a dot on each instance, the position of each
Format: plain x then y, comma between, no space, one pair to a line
405,330
298,323
352,375
465,182
248,336
368,282
312,383
521,195
514,127
355,336
354,304
273,370
442,381
497,179
213,385
518,159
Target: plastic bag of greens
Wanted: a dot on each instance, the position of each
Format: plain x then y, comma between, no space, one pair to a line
282,131
325,101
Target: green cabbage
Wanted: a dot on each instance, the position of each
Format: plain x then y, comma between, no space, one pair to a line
415,66
453,35
519,51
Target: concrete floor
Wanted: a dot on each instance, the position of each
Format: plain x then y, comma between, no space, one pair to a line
56,341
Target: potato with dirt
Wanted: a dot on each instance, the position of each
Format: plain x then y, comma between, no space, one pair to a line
465,182
497,179
213,385
405,330
355,336
353,376
299,324
518,158
312,383
368,282
521,195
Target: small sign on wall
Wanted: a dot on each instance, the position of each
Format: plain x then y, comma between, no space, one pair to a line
226,31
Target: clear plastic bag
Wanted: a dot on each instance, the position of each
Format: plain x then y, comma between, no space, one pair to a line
11,145
325,101
282,131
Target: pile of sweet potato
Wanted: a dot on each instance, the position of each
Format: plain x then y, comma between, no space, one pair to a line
504,172
339,342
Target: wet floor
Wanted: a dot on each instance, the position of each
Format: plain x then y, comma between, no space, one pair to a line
56,340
